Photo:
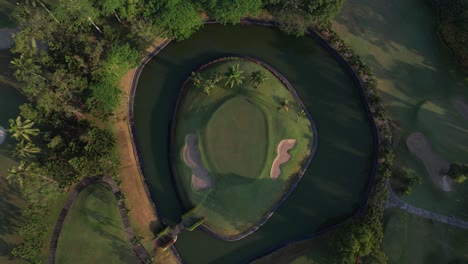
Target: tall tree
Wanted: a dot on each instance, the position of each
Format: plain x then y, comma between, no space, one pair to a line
231,11
22,129
235,76
25,149
176,18
257,78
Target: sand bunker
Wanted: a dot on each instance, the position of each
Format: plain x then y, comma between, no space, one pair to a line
201,180
283,147
461,106
436,166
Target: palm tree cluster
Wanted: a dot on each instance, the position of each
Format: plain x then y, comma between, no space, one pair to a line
234,77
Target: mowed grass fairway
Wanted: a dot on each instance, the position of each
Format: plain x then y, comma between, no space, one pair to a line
93,231
238,132
418,79
410,239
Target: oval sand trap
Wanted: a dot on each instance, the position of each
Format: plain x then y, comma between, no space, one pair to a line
435,165
201,180
283,156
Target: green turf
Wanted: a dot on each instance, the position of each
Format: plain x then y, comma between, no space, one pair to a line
410,239
418,79
93,231
239,130
6,13
11,202
248,146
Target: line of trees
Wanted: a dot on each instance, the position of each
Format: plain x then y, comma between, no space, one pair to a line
360,240
234,78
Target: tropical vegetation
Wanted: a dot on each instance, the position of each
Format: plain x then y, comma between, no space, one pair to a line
458,171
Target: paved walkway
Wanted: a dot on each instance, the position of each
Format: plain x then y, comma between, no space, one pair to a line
5,37
138,249
395,202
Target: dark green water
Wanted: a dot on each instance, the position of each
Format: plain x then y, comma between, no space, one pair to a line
335,182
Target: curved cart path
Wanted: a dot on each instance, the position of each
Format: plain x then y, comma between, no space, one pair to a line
395,201
138,249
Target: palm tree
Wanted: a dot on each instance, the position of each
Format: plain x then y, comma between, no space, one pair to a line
17,175
285,104
22,130
207,86
257,78
26,149
300,114
217,77
197,79
235,76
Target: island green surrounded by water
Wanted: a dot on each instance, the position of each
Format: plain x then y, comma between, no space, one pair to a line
335,182
241,140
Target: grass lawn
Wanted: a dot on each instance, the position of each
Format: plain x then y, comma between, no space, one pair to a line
412,239
418,78
238,132
11,202
6,10
313,251
93,231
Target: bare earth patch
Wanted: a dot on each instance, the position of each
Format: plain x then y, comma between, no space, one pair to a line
461,106
435,165
201,180
283,156
142,214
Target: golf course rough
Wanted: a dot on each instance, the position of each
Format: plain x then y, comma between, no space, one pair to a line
237,132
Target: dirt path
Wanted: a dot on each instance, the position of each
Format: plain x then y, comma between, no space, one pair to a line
461,106
143,214
435,165
201,180
395,202
282,157
5,37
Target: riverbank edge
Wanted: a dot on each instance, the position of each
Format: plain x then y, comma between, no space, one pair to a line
181,193
138,249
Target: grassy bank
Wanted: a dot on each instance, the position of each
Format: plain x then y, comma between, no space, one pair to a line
11,202
410,239
93,231
418,80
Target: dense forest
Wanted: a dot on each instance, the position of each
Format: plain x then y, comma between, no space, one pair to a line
453,26
69,58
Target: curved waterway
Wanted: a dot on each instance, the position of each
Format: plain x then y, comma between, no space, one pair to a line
333,186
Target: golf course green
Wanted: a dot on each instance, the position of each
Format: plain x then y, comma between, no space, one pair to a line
240,149
333,185
93,231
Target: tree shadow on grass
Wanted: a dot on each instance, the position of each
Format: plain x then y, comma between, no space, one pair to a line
10,217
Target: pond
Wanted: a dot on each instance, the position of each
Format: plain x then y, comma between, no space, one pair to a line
335,182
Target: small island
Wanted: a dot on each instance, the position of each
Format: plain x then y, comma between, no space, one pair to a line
241,140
